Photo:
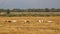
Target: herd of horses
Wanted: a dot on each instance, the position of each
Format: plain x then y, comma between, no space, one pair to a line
40,21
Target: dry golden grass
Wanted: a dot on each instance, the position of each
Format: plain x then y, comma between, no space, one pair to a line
31,27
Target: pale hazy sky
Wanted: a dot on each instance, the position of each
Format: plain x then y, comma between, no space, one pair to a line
29,3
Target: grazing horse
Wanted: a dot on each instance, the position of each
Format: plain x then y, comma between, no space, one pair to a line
11,21
26,21
41,21
50,21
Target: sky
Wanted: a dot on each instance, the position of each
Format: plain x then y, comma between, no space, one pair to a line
9,4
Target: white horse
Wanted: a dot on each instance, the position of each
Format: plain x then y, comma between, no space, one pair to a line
26,21
50,21
11,21
41,21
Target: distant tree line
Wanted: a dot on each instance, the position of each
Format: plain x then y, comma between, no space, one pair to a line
30,10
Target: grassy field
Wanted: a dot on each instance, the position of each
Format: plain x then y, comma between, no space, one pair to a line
35,13
30,14
31,27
